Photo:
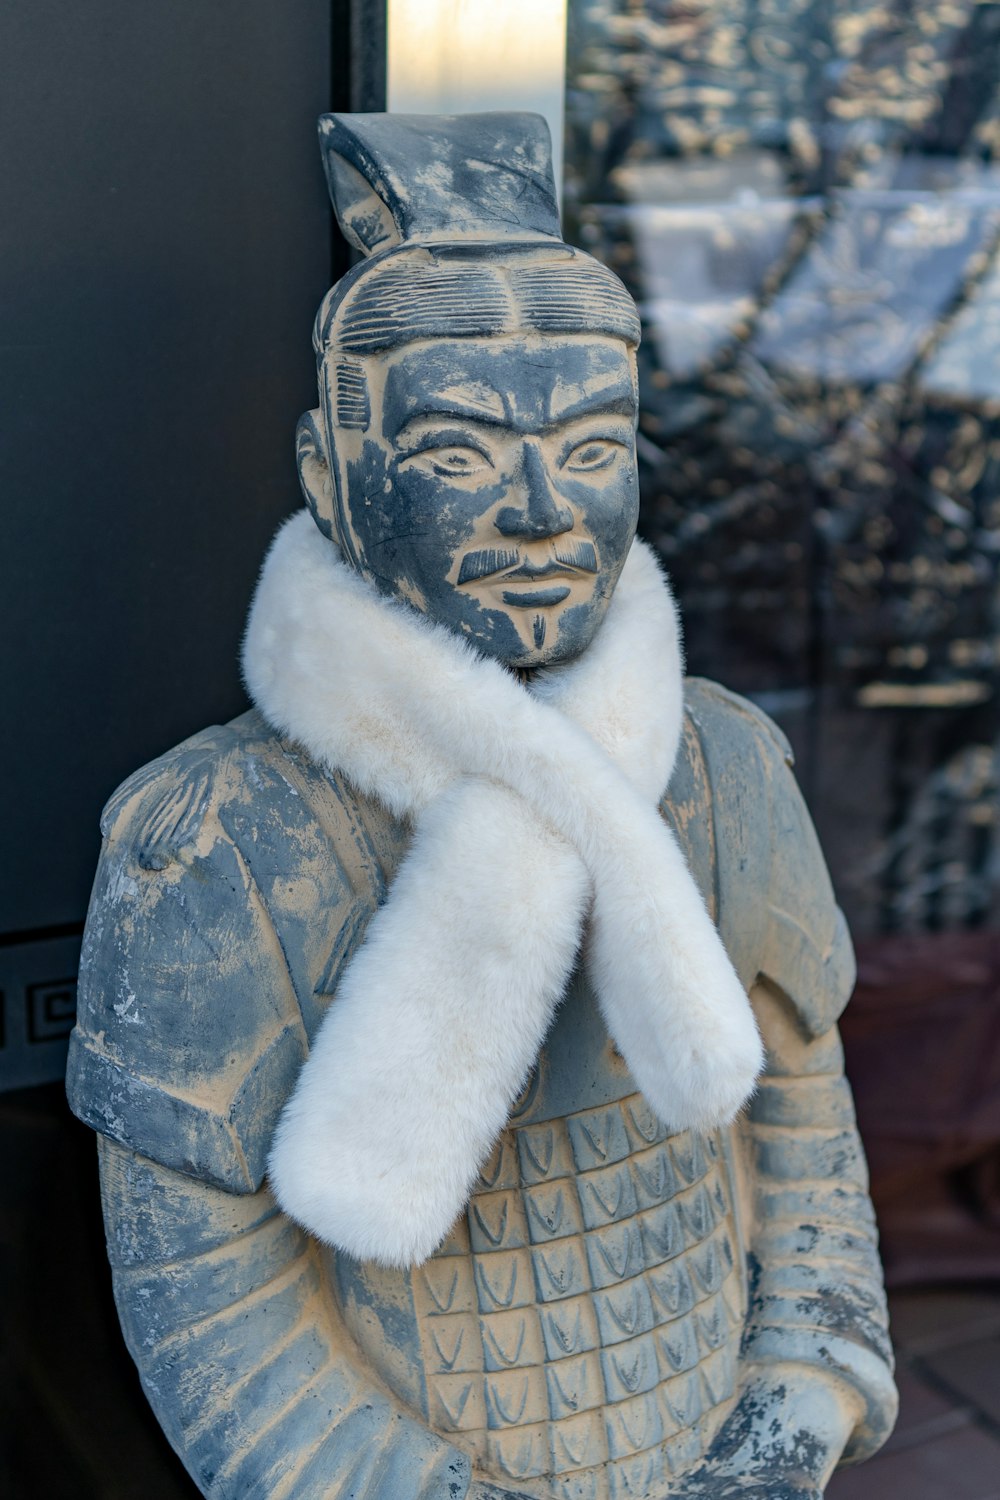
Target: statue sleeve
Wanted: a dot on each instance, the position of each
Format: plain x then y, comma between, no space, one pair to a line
252,1378
189,1033
817,1297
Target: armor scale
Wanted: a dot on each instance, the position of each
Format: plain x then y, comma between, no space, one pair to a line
582,1331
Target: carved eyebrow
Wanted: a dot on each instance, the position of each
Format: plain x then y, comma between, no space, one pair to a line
481,403
616,399
454,411
602,404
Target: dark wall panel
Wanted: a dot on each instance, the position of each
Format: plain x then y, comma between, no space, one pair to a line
164,240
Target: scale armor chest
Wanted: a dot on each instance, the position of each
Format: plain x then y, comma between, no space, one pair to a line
581,1325
579,1336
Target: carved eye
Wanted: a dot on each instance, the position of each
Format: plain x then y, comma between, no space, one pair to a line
452,461
592,454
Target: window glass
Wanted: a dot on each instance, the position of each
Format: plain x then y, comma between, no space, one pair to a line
804,201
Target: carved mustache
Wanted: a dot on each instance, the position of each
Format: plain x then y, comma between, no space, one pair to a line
581,557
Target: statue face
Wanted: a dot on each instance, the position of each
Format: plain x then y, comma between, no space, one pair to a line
496,487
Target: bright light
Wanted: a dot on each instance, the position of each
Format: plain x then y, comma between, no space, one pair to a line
450,57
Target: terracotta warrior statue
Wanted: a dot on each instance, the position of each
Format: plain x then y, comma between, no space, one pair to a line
459,1024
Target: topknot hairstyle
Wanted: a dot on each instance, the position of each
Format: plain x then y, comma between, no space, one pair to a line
459,217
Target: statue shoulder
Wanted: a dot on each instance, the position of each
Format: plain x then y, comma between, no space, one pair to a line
734,719
773,898
234,879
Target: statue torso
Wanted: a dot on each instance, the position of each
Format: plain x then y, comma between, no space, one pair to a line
587,1308
583,1320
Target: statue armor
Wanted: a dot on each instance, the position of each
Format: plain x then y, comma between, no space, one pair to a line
594,1325
581,1332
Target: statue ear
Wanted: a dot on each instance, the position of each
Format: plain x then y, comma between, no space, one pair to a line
314,473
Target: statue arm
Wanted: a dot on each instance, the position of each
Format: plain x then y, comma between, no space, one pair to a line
817,1301
240,1352
817,1384
188,1039
188,1034
816,1356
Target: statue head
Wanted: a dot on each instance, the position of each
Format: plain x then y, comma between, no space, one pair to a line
474,448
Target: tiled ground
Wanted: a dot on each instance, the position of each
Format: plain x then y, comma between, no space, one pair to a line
947,1442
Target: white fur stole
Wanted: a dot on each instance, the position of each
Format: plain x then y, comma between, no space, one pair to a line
537,824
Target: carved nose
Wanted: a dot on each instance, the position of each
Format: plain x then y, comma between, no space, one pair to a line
540,513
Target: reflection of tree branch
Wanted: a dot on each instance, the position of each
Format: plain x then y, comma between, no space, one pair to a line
893,81
964,101
966,782
613,36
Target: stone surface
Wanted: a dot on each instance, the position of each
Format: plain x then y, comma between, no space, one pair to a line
595,1247
618,1311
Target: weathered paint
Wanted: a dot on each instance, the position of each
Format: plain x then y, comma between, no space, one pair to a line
474,450
495,486
588,1324
617,1311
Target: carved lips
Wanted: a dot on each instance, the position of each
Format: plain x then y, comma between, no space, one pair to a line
505,565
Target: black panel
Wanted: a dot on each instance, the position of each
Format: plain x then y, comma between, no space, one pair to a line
166,238
369,28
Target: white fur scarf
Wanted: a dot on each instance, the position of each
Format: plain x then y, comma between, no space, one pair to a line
536,814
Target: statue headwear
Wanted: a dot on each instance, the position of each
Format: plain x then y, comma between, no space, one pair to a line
459,218
424,179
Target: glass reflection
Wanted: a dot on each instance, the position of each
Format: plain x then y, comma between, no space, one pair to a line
803,199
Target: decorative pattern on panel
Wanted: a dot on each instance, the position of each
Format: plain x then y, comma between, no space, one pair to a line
586,1313
37,1009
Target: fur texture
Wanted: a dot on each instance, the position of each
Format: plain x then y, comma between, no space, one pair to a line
536,817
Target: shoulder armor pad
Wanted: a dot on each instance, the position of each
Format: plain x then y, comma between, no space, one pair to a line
173,795
700,691
232,883
776,909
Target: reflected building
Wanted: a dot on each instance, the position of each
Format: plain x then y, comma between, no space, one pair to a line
803,200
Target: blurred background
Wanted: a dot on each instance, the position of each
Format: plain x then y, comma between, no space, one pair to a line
804,198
